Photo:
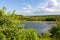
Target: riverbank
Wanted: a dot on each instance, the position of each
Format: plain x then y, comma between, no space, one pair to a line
49,22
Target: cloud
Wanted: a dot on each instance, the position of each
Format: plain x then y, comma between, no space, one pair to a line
51,7
27,10
53,2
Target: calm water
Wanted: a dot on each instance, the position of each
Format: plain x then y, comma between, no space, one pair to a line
39,26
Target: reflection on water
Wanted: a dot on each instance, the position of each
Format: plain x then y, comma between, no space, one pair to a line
38,26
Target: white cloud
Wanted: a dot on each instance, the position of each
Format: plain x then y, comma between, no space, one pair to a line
52,7
53,2
27,10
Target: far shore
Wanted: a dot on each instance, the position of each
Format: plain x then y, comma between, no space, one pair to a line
50,22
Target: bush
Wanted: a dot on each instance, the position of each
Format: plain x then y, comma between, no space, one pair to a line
50,19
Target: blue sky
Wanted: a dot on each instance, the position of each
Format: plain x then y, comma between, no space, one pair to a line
32,7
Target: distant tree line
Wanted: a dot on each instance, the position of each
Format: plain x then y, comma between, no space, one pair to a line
39,18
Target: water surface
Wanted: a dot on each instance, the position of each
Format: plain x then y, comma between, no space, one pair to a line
39,26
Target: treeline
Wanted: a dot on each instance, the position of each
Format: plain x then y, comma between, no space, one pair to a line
9,30
39,18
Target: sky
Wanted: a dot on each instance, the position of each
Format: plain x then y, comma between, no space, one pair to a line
32,7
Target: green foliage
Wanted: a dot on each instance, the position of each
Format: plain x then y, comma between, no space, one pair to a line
2,37
8,26
45,36
31,34
55,31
